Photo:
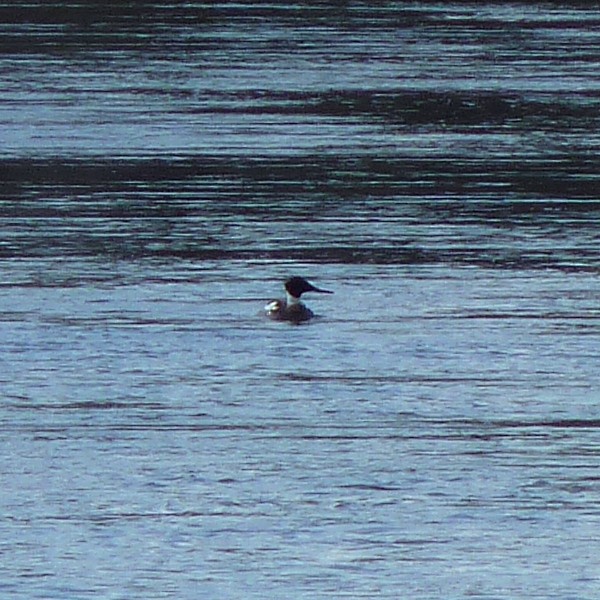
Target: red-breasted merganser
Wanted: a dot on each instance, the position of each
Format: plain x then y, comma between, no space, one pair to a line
291,309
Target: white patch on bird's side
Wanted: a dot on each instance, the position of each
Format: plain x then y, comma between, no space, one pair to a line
273,306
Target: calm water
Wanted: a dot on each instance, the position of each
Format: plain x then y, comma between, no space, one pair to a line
434,434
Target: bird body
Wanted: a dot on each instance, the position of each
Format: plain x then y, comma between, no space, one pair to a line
292,309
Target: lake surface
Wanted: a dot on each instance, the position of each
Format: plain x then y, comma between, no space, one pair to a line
435,433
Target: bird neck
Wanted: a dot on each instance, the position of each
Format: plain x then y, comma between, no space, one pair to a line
291,300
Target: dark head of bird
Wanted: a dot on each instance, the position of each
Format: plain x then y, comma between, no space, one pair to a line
296,286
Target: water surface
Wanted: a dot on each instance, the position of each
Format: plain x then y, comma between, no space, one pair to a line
434,433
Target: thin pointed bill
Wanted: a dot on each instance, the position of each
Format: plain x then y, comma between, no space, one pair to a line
320,291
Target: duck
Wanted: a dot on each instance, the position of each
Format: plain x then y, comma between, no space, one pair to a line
292,309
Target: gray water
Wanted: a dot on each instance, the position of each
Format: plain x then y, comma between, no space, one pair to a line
434,433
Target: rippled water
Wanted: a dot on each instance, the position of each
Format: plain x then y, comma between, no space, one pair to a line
433,434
